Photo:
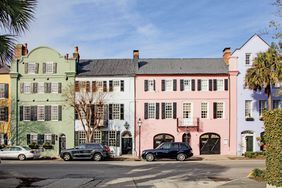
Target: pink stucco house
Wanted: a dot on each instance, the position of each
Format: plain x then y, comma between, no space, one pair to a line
186,100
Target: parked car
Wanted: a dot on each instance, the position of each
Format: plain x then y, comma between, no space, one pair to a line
172,150
18,152
93,151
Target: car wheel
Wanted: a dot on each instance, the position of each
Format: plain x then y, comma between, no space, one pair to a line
150,157
181,157
97,157
67,157
21,157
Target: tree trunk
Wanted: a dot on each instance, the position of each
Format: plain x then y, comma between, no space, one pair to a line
269,101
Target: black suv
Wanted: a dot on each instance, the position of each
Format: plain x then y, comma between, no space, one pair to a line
93,151
173,150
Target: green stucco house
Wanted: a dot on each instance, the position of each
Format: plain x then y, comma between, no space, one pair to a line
41,116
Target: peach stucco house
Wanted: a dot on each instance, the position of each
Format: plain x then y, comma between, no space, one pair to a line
186,100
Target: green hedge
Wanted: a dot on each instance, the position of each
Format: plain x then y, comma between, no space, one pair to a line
273,139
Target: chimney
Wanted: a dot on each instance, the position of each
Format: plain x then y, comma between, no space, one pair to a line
67,56
20,50
75,54
226,55
25,50
135,54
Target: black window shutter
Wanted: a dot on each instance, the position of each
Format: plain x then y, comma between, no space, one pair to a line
44,68
199,84
21,113
163,110
106,115
118,139
174,110
104,86
60,87
214,110
226,84
122,85
54,68
6,114
47,113
35,87
214,84
154,85
193,85
210,84
21,87
157,110
145,110
28,139
6,90
122,111
75,114
53,141
111,86
181,85
36,68
40,139
60,113
105,138
163,85
110,111
33,113
26,68
174,84
145,85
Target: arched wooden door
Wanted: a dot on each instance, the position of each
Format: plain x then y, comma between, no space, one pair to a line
160,138
210,143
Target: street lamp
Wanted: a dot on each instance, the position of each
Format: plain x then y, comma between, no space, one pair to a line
139,123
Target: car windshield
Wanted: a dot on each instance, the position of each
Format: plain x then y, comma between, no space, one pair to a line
26,148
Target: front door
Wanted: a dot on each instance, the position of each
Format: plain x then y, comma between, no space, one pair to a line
62,143
249,143
126,145
210,143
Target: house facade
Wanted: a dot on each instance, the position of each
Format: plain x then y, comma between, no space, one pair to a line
5,108
113,79
250,103
42,117
186,100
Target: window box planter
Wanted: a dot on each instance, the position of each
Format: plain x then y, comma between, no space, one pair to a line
33,146
47,146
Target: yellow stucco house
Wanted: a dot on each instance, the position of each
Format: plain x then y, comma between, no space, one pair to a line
5,113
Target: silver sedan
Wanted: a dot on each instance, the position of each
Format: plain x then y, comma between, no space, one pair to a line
18,152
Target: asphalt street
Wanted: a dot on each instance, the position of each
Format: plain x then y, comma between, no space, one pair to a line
169,173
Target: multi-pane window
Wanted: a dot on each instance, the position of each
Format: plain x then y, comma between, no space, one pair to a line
112,138
31,67
187,113
204,85
26,113
33,138
97,136
3,113
248,108
116,85
220,84
48,138
219,110
54,87
40,88
247,58
275,104
81,137
151,85
151,110
27,88
99,86
168,110
100,111
262,106
168,85
54,113
2,91
187,85
49,67
116,111
40,113
204,110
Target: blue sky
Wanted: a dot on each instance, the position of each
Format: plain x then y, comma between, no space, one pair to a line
157,28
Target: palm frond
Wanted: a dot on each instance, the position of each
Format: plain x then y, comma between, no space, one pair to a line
7,43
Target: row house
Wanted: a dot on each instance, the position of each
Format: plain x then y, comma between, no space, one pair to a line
250,126
113,80
187,100
41,116
5,102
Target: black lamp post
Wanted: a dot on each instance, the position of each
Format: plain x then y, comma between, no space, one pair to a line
139,123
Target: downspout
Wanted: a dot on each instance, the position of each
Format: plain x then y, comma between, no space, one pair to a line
17,118
229,118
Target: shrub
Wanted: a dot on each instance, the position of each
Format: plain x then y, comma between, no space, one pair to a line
258,173
258,154
33,145
273,140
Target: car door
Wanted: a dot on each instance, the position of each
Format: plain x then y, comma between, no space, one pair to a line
163,151
173,151
78,151
14,152
4,153
87,153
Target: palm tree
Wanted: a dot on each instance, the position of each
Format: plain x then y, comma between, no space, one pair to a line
265,72
15,16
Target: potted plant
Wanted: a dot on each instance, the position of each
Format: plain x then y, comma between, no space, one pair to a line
47,145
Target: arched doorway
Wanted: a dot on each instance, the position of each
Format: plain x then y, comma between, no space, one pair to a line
247,140
160,138
210,143
186,137
126,143
62,142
